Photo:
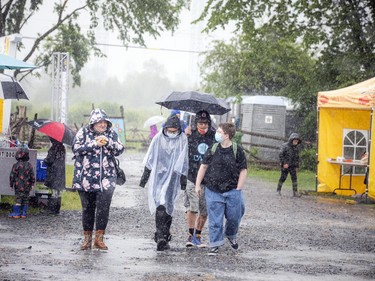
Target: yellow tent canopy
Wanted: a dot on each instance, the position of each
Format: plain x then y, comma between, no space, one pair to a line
345,127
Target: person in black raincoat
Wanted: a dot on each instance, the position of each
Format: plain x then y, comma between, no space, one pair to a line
55,176
21,179
95,147
200,139
289,162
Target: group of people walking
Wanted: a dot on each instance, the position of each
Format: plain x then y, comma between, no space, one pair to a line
211,179
205,164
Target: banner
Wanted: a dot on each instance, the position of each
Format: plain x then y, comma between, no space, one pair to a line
118,125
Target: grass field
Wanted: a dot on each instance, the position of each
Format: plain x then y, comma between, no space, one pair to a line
70,200
306,179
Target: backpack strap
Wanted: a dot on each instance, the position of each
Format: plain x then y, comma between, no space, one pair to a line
234,146
214,147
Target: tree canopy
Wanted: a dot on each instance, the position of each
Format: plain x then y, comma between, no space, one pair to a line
263,66
290,47
132,20
340,33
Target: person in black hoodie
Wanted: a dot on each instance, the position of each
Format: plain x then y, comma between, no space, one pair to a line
289,162
55,176
200,139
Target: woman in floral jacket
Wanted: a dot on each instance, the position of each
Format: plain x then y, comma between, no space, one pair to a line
95,147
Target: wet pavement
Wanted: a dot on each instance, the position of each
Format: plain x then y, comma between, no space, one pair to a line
281,238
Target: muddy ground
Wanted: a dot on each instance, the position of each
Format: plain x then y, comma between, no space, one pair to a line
281,238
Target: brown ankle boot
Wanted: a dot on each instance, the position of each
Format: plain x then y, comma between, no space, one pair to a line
87,240
98,242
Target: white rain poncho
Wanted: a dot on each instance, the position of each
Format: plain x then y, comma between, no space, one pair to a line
167,158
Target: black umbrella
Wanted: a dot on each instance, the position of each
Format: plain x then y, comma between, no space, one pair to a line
193,101
55,130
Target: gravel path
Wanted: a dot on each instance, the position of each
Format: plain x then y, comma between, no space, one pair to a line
281,238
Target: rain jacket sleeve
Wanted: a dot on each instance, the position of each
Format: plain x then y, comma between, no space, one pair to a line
145,177
82,143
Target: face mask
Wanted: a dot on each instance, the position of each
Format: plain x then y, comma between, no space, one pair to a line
172,135
202,131
218,137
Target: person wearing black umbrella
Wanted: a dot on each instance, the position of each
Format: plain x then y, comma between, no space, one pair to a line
200,139
55,175
95,147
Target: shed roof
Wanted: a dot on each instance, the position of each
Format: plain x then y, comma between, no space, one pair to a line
269,100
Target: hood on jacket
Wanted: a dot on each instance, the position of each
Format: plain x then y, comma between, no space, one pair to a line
294,136
173,122
203,116
22,154
98,115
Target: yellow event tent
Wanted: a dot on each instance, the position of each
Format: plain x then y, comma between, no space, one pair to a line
345,126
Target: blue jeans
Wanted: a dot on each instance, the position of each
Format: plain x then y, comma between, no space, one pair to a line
230,205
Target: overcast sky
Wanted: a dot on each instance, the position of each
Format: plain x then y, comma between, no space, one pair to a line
180,64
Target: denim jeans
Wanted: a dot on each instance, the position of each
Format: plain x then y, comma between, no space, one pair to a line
228,205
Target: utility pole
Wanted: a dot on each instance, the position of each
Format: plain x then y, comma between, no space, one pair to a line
60,87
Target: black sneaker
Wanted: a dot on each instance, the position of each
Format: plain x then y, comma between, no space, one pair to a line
233,243
214,251
162,245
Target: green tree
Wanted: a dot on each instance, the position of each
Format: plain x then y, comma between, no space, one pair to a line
339,33
130,19
265,65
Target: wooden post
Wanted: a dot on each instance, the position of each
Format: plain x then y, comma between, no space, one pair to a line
32,134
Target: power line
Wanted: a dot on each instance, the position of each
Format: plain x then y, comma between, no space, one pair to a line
133,47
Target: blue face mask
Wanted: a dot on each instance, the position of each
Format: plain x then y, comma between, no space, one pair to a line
218,137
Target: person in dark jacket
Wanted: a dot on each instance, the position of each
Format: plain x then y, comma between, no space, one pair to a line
289,162
55,175
199,138
95,147
166,168
21,179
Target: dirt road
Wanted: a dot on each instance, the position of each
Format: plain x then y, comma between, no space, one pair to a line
281,238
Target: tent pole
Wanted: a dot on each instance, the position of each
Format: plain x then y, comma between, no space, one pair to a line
369,153
317,147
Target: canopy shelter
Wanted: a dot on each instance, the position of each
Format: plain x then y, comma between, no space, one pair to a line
345,129
8,62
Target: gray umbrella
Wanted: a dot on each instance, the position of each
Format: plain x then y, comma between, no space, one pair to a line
193,101
11,89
